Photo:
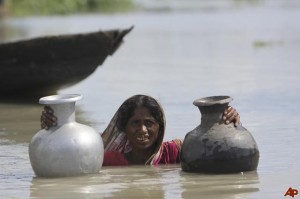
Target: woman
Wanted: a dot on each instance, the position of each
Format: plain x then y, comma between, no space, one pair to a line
135,133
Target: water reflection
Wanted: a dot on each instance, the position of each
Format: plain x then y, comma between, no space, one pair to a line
239,185
146,182
111,182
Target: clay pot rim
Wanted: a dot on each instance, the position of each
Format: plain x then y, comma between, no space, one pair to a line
212,100
59,99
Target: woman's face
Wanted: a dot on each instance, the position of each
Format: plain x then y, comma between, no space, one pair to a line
142,129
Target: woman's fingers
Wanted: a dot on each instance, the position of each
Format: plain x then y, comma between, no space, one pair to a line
228,113
237,120
48,119
232,118
48,116
44,126
231,115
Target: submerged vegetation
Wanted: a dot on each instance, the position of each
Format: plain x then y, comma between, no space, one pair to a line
63,7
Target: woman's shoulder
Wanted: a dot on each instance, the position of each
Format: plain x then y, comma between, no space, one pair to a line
169,152
176,144
114,158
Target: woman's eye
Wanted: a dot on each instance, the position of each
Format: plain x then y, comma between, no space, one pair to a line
149,123
135,123
138,123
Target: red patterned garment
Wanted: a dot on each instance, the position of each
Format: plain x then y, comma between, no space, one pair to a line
114,158
169,153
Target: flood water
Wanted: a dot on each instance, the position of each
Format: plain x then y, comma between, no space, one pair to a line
177,52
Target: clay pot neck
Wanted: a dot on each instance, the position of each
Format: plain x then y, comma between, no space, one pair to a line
212,108
212,114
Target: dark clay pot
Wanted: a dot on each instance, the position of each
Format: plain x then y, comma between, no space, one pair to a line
214,147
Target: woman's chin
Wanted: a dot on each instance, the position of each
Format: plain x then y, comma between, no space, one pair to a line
142,144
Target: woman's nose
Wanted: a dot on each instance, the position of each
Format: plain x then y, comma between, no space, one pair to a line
143,128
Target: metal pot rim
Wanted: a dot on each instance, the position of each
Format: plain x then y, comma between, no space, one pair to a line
61,98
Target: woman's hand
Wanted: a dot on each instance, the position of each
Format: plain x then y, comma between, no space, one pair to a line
48,119
231,115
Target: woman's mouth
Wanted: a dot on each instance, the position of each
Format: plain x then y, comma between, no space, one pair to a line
142,137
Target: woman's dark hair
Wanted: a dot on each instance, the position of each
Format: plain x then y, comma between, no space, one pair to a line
127,108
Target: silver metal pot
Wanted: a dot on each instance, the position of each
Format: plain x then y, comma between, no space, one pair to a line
70,148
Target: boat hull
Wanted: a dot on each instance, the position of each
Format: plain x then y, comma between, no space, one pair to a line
46,64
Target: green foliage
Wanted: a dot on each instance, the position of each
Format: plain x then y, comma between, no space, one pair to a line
63,7
261,43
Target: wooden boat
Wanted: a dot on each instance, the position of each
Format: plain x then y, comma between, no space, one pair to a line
45,64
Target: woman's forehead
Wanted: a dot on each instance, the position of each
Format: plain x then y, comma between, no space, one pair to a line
142,112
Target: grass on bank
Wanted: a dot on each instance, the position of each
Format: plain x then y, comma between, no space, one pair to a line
64,7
